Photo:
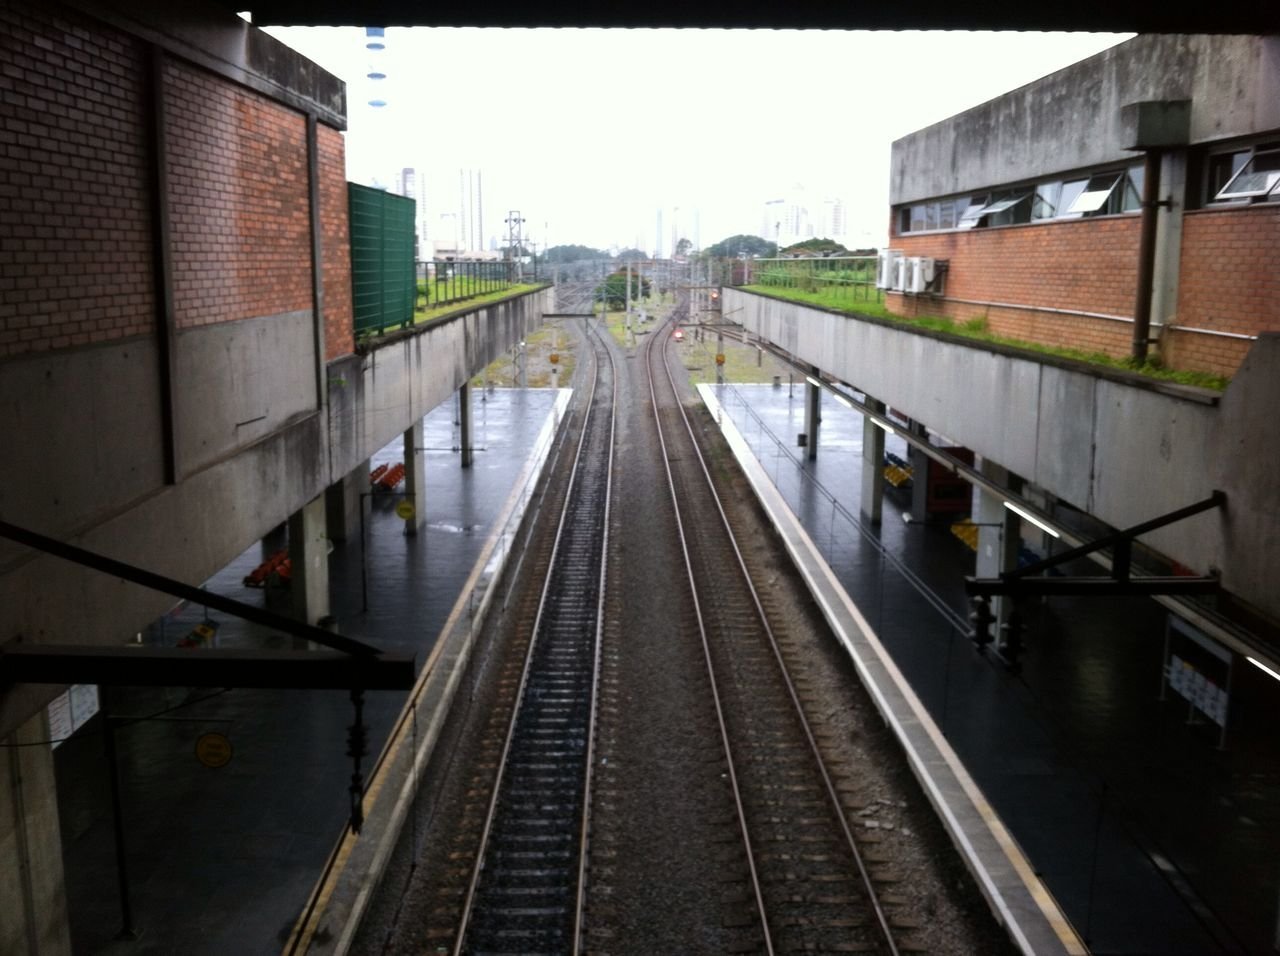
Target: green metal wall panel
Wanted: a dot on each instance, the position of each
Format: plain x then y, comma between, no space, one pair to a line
382,258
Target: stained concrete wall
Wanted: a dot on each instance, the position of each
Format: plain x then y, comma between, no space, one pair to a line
376,396
1120,447
238,382
33,904
94,412
1071,119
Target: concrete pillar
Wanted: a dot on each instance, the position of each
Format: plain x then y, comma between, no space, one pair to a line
919,462
999,534
309,557
812,414
872,504
342,504
464,423
415,476
33,908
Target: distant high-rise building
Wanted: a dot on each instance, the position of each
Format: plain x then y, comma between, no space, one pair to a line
789,220
786,221
657,246
410,183
835,222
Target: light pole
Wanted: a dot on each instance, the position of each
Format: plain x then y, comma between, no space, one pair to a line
515,248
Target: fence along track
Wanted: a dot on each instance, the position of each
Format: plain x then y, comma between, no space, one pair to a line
811,885
527,888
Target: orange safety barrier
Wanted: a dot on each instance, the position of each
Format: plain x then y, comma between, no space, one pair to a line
376,474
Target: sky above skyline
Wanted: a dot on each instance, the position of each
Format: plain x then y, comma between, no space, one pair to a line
588,132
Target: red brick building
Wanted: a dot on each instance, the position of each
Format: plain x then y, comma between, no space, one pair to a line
1031,204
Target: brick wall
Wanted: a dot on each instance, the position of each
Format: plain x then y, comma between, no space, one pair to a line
339,329
1229,283
238,201
1088,265
75,214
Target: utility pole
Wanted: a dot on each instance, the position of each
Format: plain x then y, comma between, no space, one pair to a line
515,244
628,316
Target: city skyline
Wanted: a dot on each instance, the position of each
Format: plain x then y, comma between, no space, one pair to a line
739,118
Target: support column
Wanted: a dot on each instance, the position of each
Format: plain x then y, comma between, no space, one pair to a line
919,462
342,504
464,423
999,534
33,911
415,476
872,503
812,413
309,558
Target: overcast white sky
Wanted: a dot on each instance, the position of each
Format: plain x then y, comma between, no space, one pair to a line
589,132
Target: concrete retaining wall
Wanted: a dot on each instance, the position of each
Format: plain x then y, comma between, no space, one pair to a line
88,465
1071,119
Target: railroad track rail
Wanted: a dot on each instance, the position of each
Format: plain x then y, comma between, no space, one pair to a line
527,886
809,886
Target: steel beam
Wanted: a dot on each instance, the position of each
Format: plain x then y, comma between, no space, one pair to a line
1095,586
158,582
143,666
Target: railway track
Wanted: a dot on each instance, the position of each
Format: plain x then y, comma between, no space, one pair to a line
527,884
809,886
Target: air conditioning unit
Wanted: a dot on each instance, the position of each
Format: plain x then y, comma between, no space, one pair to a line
920,275
901,274
886,267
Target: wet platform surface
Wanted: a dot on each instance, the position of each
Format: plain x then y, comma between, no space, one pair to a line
222,860
1150,837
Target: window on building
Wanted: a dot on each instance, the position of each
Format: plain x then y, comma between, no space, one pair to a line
917,217
1222,168
947,214
972,212
1071,190
1044,204
1131,196
1094,195
1008,208
1258,178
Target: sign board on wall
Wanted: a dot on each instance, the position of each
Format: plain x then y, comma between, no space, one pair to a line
1198,669
70,710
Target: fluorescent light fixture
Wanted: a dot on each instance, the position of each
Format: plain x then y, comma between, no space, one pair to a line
813,381
246,16
1032,518
1262,667
888,429
842,400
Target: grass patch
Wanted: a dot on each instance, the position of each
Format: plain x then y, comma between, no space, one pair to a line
977,330
422,316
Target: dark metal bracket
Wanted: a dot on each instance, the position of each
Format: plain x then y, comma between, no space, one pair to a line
1028,580
346,665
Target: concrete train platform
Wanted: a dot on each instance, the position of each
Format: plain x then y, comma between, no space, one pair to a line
222,860
1090,792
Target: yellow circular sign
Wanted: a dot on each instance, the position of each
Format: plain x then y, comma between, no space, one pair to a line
554,358
405,509
213,750
719,358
